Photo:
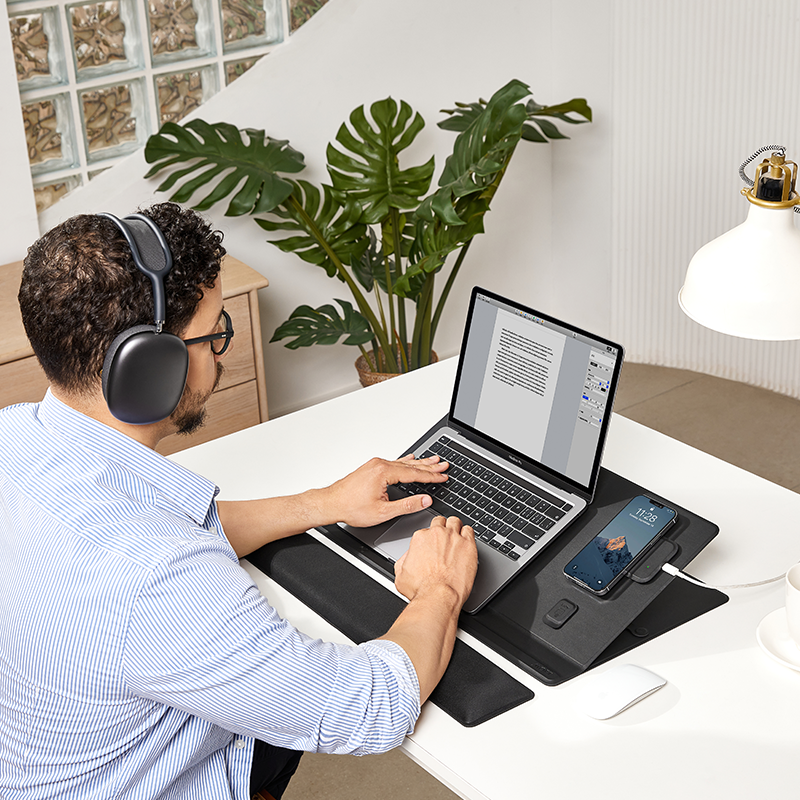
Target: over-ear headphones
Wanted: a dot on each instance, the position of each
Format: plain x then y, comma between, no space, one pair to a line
145,368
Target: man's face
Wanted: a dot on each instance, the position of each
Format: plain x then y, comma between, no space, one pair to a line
205,367
190,414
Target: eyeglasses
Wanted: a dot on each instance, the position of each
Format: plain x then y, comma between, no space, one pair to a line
223,336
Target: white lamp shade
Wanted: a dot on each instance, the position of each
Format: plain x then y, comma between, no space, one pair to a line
747,282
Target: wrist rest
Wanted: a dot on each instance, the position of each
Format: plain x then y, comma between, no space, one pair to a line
472,690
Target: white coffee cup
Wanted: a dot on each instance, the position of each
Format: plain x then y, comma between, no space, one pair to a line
793,603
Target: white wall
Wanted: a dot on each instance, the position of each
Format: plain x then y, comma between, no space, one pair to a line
579,276
598,229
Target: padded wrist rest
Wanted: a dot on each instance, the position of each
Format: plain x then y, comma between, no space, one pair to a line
472,690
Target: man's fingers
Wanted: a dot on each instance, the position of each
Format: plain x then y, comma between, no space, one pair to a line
420,470
454,524
410,504
464,530
411,460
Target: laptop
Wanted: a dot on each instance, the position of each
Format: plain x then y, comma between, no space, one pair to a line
524,439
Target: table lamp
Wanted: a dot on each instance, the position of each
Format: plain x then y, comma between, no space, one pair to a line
747,282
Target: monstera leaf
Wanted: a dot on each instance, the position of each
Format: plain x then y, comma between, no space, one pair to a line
328,233
369,264
453,215
480,152
464,114
323,325
367,168
547,130
435,240
228,157
370,268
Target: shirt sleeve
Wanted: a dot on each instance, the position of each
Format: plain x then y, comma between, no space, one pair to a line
201,638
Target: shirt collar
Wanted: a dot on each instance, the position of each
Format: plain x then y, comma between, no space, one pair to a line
189,491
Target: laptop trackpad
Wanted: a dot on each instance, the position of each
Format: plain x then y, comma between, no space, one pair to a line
394,543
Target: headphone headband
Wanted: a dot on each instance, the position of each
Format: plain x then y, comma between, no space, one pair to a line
151,254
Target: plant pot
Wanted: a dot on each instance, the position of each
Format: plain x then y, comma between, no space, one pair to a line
367,377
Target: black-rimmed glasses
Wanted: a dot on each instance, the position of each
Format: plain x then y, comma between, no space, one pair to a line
223,336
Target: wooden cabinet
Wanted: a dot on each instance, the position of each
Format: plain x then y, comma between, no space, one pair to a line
21,377
239,402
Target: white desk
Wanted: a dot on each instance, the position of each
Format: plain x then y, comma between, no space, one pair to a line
727,725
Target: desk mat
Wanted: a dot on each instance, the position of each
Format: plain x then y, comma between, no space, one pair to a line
513,623
472,690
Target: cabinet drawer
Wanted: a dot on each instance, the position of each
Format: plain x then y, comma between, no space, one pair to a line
229,410
22,381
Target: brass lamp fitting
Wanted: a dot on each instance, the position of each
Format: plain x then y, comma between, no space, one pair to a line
774,183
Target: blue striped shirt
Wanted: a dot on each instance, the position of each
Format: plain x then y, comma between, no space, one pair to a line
137,658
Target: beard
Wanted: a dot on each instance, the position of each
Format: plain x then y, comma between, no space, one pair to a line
190,414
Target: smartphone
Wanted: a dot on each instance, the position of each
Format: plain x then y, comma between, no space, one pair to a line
620,544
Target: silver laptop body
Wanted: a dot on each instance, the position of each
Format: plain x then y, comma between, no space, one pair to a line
524,438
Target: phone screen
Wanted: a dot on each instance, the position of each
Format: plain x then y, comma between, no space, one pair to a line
618,545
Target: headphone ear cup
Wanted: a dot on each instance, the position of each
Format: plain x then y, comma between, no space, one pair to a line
144,375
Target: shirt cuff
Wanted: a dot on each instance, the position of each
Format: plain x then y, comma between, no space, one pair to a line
401,666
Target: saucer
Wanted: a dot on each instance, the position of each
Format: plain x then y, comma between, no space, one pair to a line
773,636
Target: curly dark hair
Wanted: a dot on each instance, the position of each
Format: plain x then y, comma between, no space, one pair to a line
80,289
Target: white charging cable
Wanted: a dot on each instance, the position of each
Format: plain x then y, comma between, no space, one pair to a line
670,569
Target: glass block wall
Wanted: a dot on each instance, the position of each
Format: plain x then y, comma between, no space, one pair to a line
97,79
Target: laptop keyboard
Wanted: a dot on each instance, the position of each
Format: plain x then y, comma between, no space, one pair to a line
506,513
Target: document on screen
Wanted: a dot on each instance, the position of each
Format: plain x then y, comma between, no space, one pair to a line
520,383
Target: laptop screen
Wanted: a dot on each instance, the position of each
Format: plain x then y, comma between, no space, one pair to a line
536,387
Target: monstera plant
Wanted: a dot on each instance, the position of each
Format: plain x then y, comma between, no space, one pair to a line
376,227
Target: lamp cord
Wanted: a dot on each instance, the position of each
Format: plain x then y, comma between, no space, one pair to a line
670,569
770,148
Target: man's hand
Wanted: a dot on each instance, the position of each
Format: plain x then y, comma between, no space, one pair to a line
436,576
442,556
360,499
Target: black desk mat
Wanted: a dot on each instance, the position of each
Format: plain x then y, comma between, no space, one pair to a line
603,627
472,690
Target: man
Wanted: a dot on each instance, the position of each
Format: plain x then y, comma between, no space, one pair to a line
137,659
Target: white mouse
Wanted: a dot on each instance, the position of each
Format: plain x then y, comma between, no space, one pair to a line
607,694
